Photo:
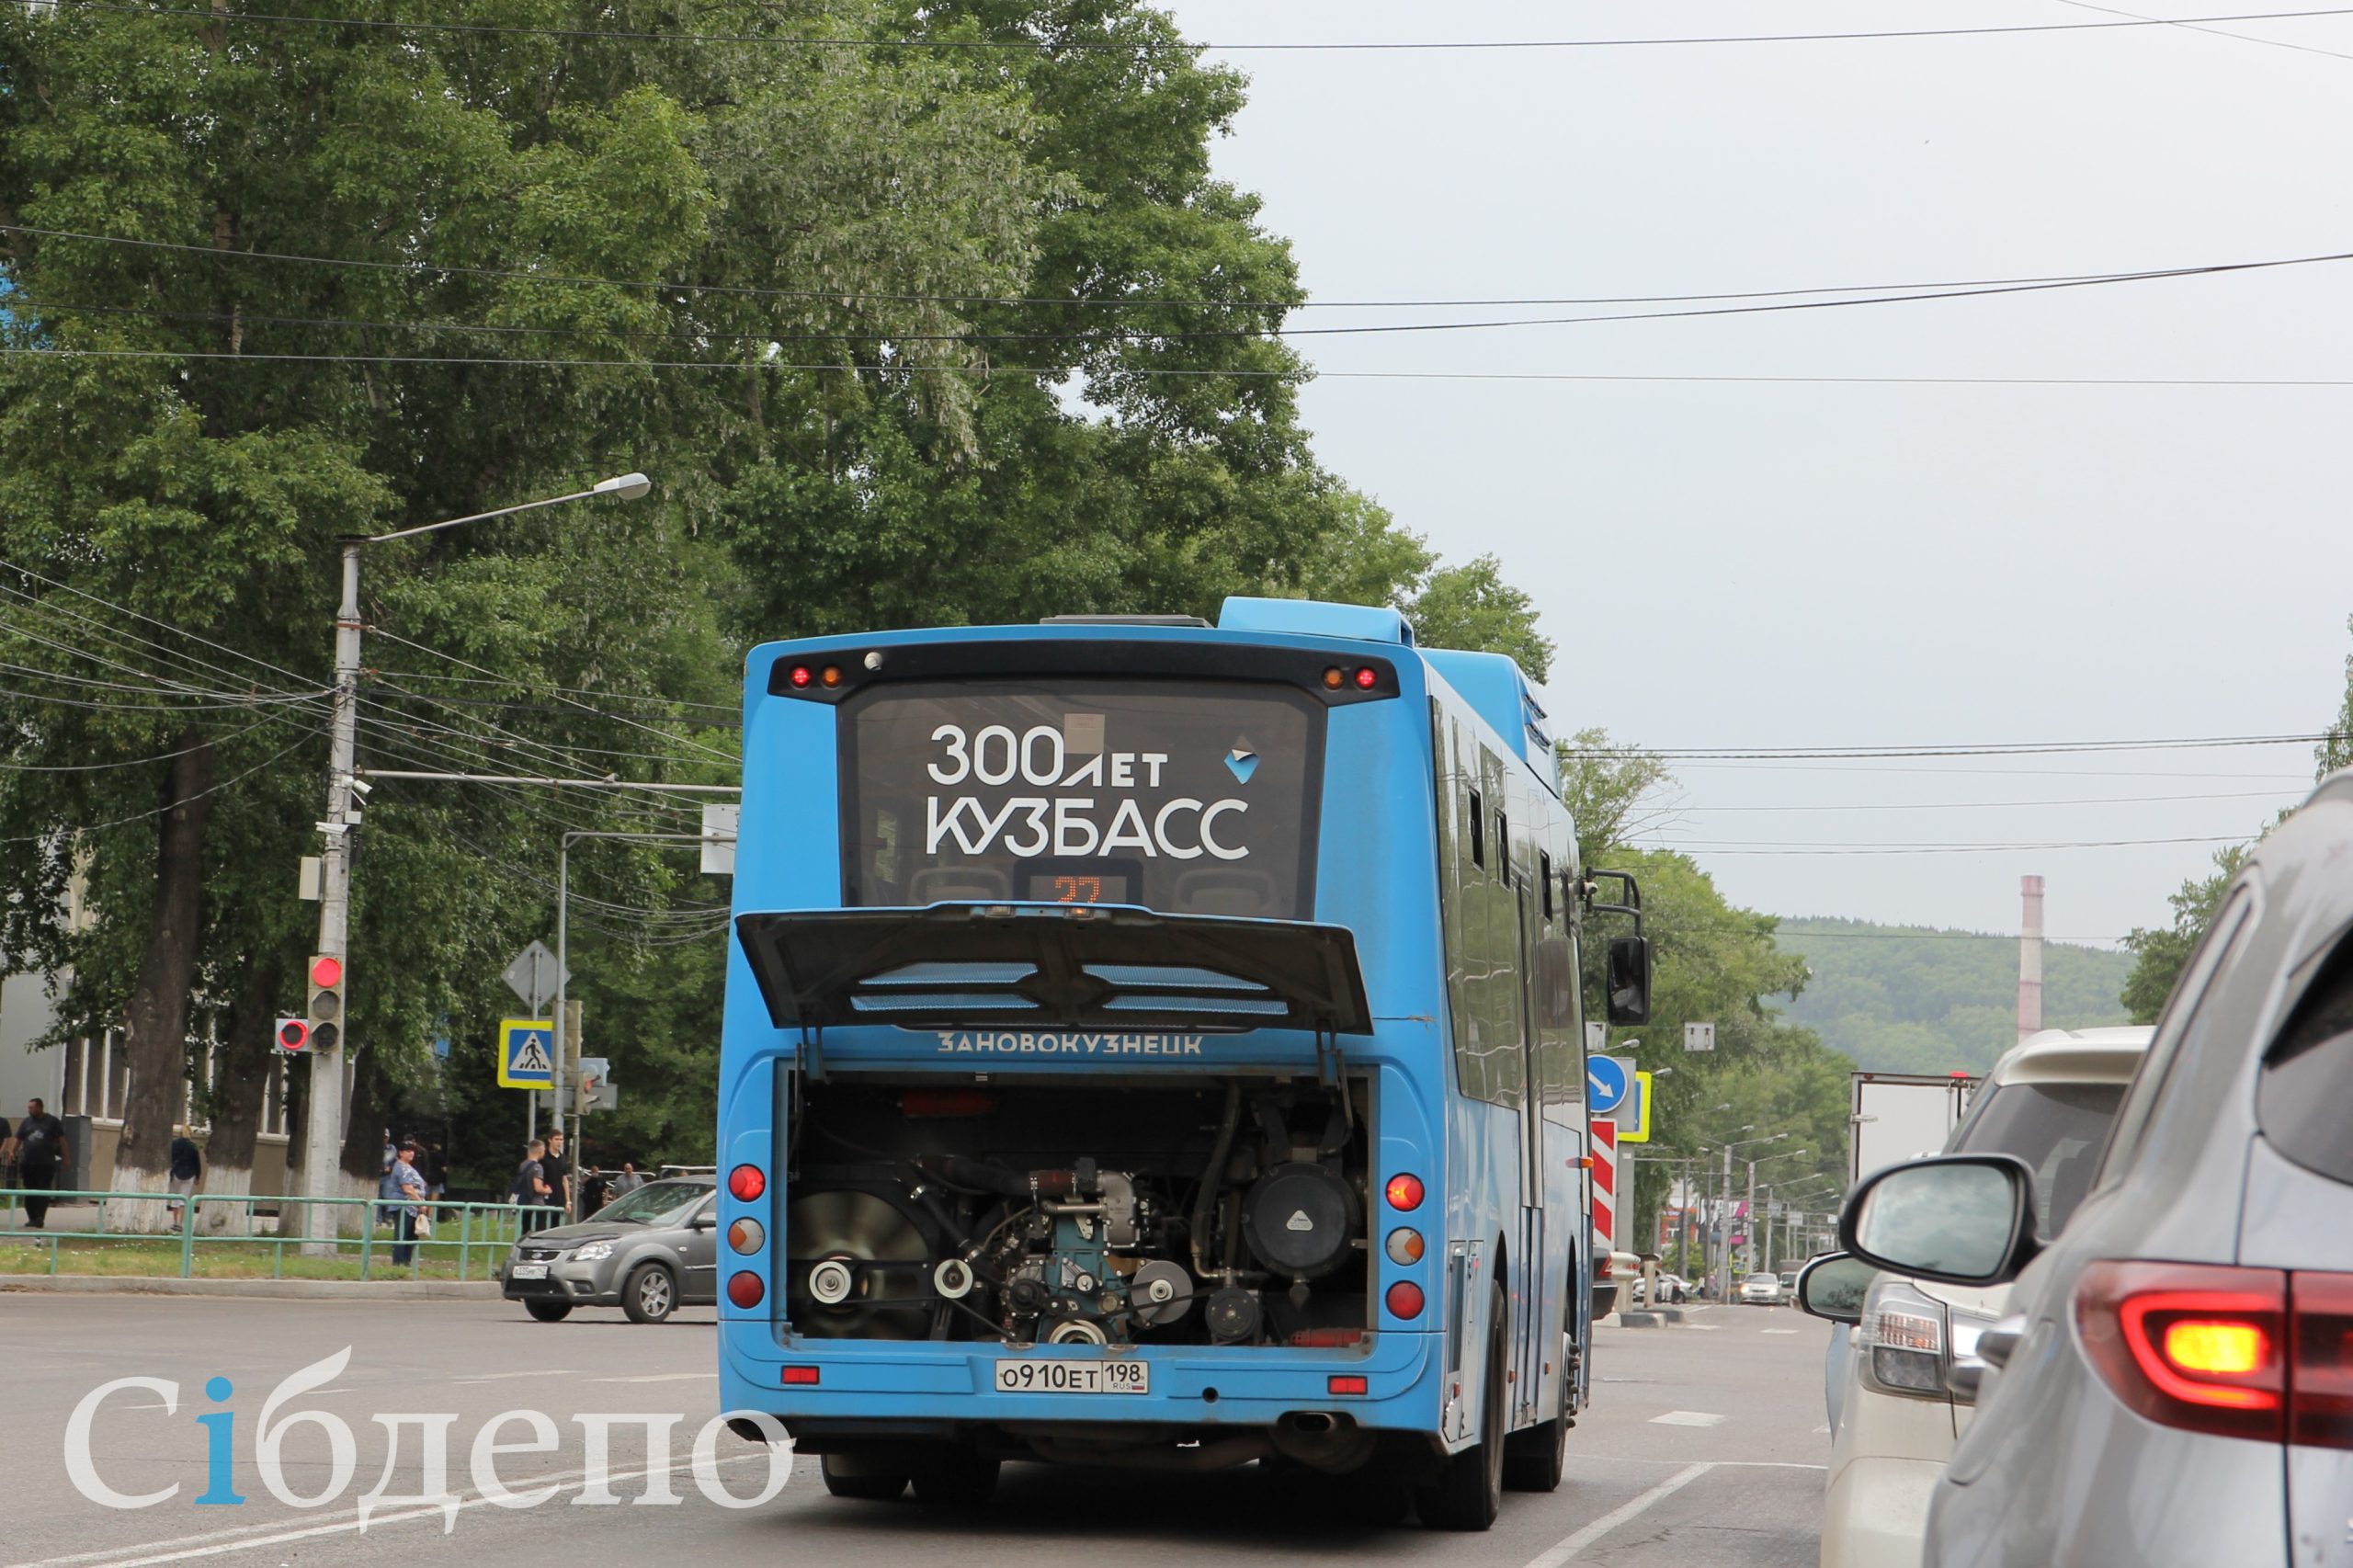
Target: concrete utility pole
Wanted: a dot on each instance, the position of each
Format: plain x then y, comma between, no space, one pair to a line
322,1133
2030,956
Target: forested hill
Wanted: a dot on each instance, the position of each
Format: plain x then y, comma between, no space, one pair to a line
1907,999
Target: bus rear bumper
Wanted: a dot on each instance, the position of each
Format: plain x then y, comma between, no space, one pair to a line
1208,1406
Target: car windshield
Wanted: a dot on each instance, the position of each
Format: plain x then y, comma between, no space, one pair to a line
2057,1129
655,1203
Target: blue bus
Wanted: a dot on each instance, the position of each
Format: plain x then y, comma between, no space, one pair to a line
1153,1043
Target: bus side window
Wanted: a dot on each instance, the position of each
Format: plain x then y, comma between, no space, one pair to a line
1503,847
1544,879
1478,832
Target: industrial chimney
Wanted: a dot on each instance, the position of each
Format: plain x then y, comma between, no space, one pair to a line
2030,956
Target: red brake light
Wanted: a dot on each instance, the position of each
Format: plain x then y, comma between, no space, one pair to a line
326,971
1404,1193
800,1377
1404,1300
2201,1348
1367,678
800,675
1347,1383
746,1182
745,1289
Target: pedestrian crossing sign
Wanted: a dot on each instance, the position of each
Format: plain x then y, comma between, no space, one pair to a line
527,1053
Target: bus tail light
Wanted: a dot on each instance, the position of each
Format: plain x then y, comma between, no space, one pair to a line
1347,1382
1334,678
746,1289
1404,1245
2197,1348
1367,678
801,676
1404,1193
800,1377
746,1182
746,1235
1404,1300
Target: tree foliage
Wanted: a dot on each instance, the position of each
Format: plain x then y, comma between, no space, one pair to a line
906,336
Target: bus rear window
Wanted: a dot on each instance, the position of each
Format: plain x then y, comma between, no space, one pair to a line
1189,797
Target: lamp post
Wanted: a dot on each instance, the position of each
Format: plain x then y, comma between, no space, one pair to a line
1743,1144
1784,1154
323,1134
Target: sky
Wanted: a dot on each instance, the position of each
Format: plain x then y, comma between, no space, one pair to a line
1730,563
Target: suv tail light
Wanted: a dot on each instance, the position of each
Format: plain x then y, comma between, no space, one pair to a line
2201,1348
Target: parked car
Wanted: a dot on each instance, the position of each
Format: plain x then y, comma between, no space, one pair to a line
1760,1290
2173,1385
2049,1102
1671,1289
648,1253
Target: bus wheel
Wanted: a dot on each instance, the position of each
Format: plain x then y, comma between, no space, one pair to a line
1469,1491
847,1477
957,1479
1534,1460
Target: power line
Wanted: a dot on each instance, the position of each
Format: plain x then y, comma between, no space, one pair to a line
1780,937
133,762
1299,373
2016,748
1691,849
2007,805
168,806
1147,45
835,296
1223,334
733,710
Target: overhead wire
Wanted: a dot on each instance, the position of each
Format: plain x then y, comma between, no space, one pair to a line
1149,46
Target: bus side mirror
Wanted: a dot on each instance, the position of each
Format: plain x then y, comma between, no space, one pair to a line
1629,981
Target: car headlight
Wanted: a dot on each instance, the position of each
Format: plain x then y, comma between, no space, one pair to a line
592,1252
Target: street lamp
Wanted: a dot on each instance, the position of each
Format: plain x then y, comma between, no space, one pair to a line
323,1135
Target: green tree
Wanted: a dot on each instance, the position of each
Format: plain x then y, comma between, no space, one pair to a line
2159,953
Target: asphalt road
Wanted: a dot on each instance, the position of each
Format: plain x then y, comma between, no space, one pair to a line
1704,1446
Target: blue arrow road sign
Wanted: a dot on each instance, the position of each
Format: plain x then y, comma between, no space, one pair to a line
1605,1083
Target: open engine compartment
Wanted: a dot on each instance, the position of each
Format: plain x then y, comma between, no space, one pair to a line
1226,1210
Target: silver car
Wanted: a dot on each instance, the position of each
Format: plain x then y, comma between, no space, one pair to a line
2175,1384
648,1253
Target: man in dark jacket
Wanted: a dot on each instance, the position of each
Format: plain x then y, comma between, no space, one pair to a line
187,1166
42,1155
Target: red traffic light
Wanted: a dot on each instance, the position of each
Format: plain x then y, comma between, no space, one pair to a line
326,969
293,1034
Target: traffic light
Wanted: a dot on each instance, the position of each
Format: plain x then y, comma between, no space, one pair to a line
326,1001
293,1035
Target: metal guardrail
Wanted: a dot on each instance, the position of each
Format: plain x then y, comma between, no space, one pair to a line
481,1227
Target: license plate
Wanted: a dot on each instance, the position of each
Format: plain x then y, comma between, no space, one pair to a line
528,1271
1042,1375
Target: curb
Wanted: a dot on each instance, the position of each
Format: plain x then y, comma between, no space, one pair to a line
287,1290
1640,1320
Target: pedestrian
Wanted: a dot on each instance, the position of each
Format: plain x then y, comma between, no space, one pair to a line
531,1184
404,1183
187,1166
42,1153
558,1171
628,1181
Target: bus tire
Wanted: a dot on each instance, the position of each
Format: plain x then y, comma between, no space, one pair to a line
1535,1459
1469,1491
860,1483
957,1479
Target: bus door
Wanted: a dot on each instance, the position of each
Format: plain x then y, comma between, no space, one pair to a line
1537,1309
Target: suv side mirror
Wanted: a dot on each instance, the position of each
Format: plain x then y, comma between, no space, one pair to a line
1831,1287
1629,981
1960,1220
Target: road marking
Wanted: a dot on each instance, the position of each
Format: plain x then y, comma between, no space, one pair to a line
1705,1328
1777,1331
503,1377
249,1537
1822,1431
1687,1418
1567,1550
658,1378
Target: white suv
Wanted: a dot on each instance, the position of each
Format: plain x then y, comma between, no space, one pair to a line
2048,1101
